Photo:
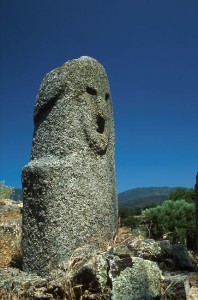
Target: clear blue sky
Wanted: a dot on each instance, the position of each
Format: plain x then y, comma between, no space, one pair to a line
149,49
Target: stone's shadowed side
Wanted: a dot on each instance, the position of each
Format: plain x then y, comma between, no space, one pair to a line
69,185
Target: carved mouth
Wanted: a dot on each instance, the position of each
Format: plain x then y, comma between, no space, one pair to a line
101,124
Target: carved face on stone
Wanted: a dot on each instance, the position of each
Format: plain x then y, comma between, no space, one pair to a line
77,96
97,114
96,106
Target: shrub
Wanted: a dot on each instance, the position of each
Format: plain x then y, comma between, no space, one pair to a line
176,218
5,191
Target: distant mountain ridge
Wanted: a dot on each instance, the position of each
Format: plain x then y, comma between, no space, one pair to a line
141,197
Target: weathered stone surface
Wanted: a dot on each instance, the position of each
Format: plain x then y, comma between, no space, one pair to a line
94,277
69,185
15,284
182,258
101,276
176,286
148,249
169,257
91,281
120,249
151,249
134,278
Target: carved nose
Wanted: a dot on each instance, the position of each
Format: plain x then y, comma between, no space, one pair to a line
101,124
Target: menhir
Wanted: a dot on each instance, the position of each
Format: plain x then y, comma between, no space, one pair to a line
69,188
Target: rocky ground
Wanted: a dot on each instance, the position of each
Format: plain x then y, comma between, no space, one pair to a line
131,268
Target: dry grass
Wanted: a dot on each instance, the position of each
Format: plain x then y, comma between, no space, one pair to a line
10,250
6,249
9,242
124,230
10,216
123,236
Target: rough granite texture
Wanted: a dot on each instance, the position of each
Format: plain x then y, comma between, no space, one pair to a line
134,278
69,187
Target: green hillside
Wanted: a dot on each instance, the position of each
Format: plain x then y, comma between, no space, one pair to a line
141,197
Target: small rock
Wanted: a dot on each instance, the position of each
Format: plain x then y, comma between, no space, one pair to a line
134,279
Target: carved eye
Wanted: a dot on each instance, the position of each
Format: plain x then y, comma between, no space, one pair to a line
91,91
107,96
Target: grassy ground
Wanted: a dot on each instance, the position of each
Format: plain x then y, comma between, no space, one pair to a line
9,239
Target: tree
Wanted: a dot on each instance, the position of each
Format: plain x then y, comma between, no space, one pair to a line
5,191
182,193
172,217
128,216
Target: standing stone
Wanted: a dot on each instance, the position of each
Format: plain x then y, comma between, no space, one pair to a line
196,212
69,185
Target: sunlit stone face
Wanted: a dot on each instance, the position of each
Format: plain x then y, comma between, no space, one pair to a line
98,107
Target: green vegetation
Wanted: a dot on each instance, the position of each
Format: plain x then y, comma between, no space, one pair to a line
182,193
129,216
6,192
174,219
